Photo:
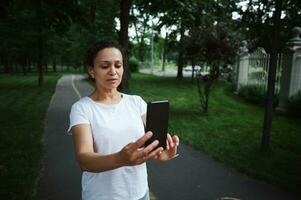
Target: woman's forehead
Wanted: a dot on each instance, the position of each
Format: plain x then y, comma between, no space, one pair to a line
109,54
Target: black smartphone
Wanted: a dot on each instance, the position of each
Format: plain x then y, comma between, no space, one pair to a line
157,121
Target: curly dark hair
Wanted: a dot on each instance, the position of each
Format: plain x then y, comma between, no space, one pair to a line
98,46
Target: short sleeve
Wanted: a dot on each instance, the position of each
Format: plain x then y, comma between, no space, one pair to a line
78,115
142,106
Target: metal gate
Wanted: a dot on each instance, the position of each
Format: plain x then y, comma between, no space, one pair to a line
258,68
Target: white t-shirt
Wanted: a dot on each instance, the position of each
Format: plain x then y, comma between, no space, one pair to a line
113,127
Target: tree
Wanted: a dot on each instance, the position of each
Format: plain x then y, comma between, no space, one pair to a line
217,46
60,31
50,18
125,6
271,79
27,25
169,17
139,19
96,21
256,22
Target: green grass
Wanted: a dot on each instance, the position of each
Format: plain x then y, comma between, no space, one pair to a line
23,108
231,131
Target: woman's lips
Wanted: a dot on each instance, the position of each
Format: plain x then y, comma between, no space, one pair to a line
112,80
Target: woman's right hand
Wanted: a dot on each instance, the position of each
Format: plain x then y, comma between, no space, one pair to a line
135,153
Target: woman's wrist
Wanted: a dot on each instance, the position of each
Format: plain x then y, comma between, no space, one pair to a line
119,160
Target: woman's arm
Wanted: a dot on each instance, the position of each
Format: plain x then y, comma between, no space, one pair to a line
131,154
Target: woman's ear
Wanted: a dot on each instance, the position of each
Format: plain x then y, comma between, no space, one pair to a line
91,71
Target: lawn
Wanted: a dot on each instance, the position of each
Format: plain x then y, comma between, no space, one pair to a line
231,131
23,108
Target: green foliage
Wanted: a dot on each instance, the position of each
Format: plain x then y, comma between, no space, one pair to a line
134,64
256,22
66,28
256,94
216,46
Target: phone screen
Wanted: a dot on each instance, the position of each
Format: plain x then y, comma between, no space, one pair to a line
157,121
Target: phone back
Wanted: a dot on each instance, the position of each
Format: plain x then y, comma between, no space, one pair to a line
157,121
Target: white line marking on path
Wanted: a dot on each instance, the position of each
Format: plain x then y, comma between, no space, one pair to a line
74,87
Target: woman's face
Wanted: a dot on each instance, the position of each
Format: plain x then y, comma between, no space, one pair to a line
108,68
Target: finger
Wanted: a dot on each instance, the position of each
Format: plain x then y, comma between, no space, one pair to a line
167,144
149,148
171,144
140,142
176,140
155,153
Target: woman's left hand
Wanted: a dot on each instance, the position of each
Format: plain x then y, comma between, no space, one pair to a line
171,149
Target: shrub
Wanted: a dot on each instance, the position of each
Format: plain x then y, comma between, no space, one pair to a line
256,94
294,103
133,64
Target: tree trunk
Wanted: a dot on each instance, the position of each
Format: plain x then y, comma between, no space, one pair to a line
140,41
181,54
46,67
29,65
265,140
141,50
40,46
11,67
125,6
24,68
40,60
193,66
54,64
180,65
164,52
6,66
92,12
207,88
15,68
163,59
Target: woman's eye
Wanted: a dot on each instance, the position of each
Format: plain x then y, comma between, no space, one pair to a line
118,66
104,66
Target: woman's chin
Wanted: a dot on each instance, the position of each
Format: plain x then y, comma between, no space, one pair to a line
112,86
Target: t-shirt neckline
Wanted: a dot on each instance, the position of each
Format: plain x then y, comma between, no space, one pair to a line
107,105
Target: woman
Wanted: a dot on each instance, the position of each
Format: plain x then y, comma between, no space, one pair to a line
108,133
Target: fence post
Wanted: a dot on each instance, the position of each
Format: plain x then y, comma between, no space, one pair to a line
243,66
291,72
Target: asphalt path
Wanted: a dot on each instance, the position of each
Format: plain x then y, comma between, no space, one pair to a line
61,176
193,175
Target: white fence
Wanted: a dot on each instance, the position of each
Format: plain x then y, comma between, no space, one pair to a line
254,69
258,68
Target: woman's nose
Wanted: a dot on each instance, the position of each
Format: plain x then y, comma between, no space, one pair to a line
112,70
